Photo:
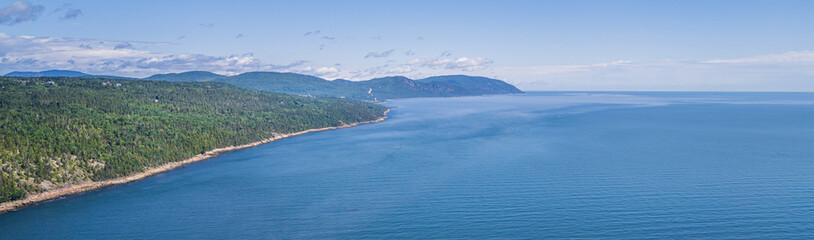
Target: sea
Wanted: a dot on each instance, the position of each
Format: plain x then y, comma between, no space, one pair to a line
540,165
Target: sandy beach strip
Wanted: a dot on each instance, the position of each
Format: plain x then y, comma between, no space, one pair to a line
90,186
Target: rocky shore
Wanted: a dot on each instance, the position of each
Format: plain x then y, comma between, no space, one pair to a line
90,186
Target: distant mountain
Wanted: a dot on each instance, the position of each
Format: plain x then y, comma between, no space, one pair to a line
378,89
49,73
60,73
293,83
470,85
194,76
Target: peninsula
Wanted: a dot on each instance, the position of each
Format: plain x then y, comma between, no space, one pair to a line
63,136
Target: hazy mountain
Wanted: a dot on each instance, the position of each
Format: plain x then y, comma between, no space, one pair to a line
378,89
471,85
49,73
193,76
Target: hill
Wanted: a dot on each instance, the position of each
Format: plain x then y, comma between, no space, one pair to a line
378,89
193,76
470,85
60,131
293,83
375,90
49,73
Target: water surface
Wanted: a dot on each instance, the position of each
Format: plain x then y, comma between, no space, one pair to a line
540,165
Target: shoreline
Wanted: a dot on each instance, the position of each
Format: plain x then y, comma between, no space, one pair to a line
35,199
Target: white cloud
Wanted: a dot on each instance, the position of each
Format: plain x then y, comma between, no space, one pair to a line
399,70
421,67
462,63
561,69
326,70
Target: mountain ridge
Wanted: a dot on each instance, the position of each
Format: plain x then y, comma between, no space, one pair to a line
47,73
375,90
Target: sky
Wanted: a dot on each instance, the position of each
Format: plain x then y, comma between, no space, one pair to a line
535,45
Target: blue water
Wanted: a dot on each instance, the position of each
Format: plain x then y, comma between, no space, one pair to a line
540,165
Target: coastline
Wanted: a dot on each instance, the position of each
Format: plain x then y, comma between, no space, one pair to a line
91,186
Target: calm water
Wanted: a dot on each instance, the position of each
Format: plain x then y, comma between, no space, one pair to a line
541,165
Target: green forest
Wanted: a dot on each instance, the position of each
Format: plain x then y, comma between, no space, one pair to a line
56,131
376,90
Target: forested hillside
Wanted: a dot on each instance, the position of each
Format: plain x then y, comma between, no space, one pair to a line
56,131
193,76
375,90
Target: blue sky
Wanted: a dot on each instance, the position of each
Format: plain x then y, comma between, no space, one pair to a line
536,45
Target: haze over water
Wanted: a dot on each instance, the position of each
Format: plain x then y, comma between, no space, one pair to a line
540,165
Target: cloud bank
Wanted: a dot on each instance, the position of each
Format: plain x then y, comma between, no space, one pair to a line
462,63
24,53
127,58
444,64
789,57
791,71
